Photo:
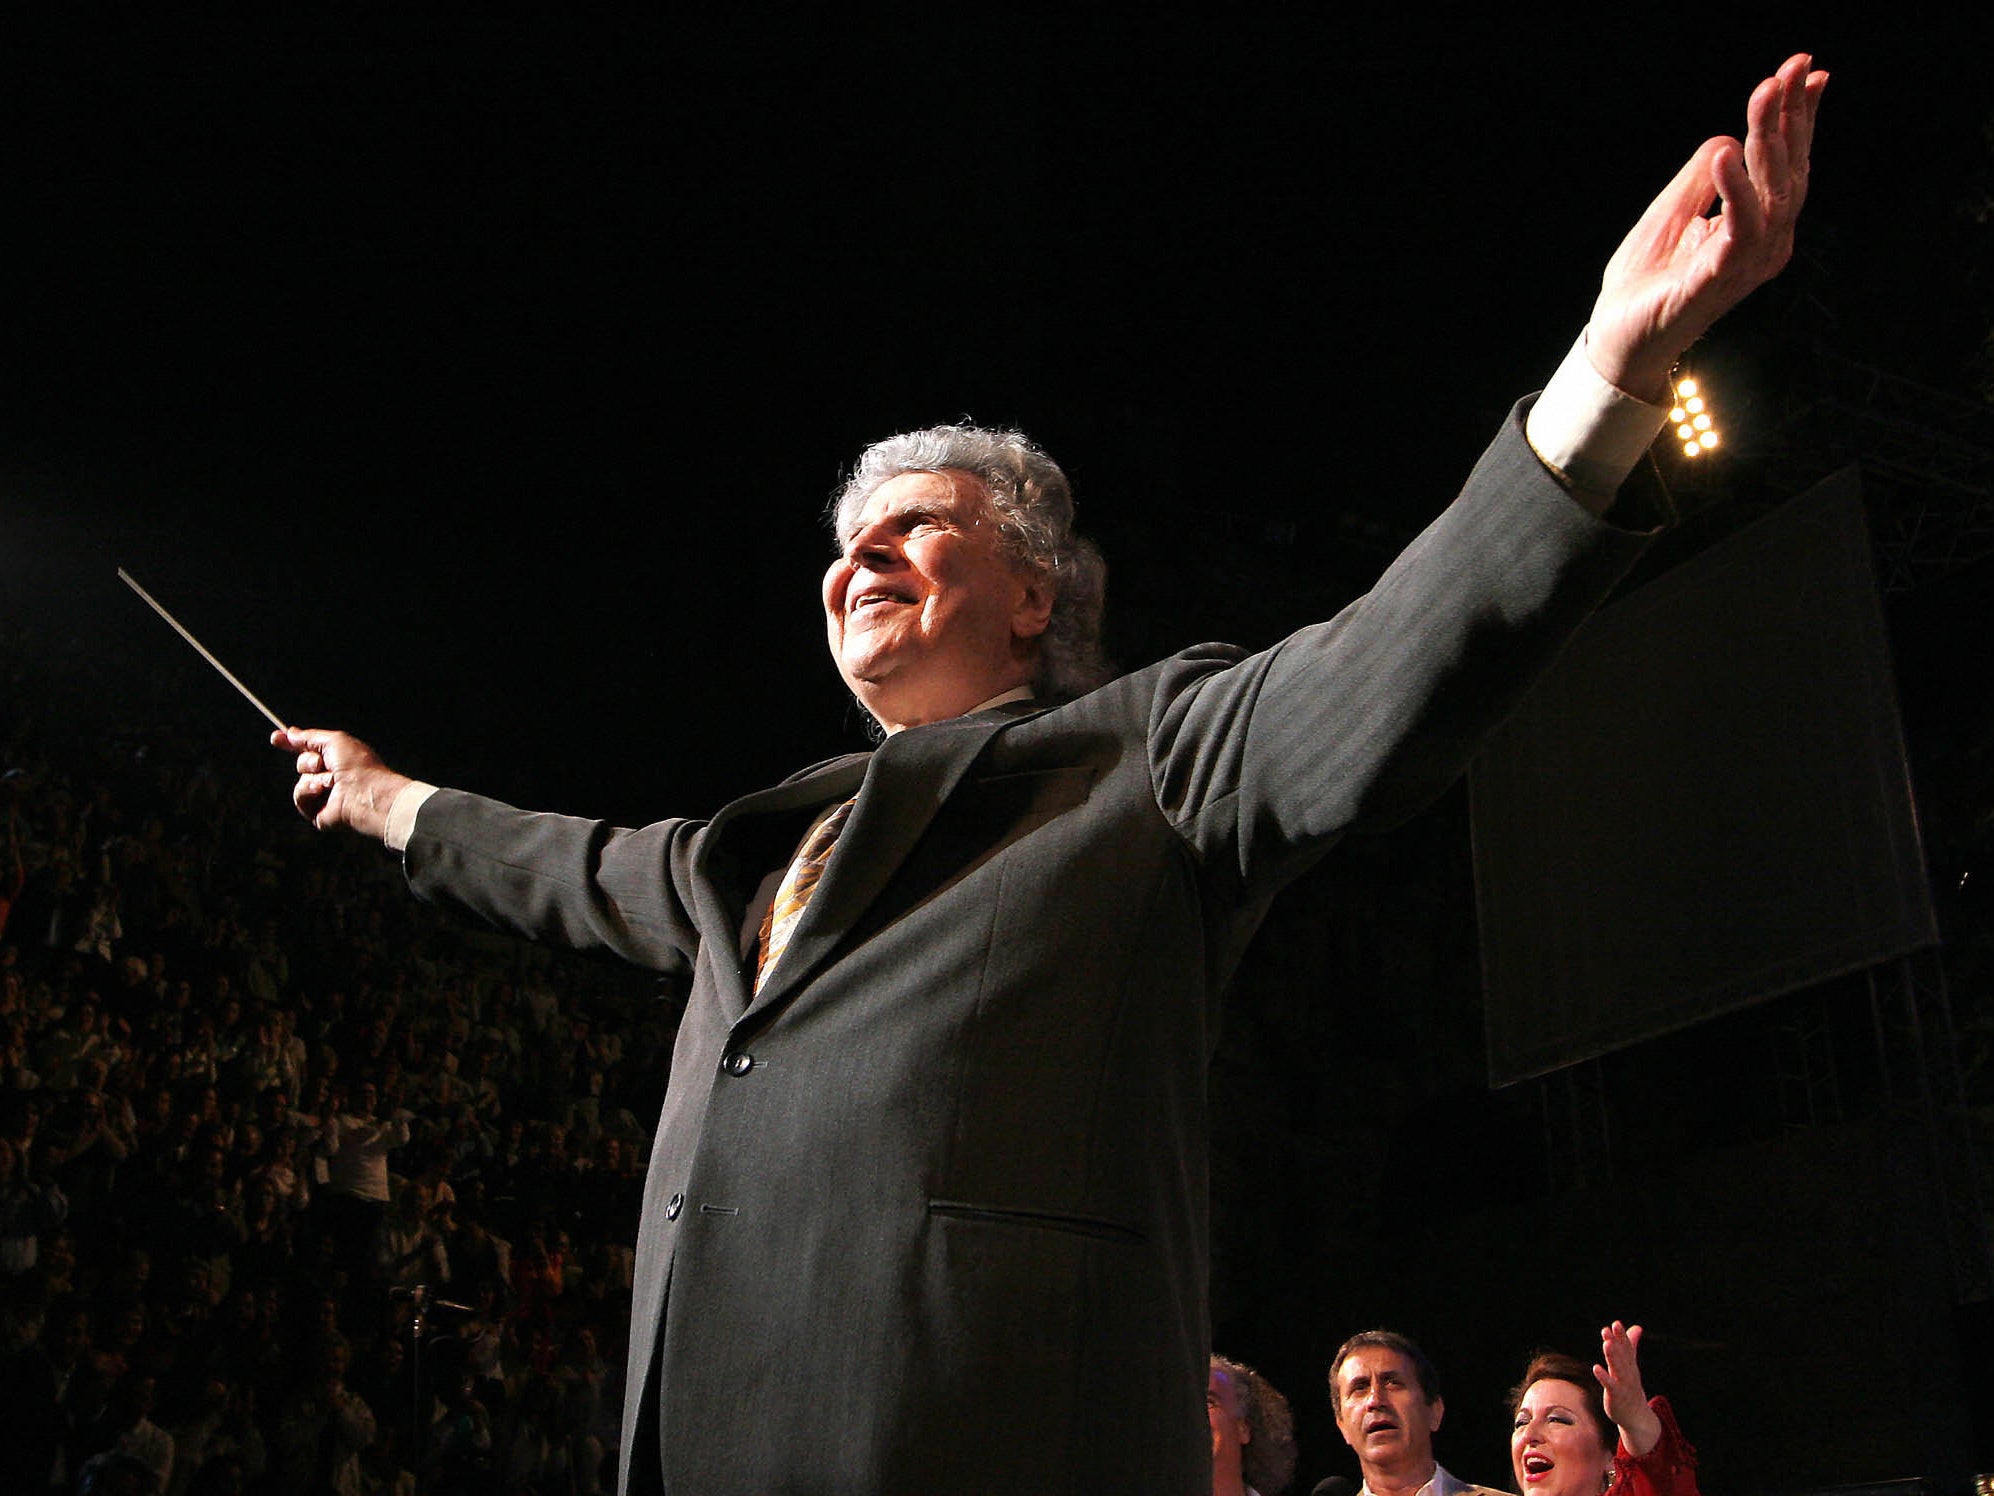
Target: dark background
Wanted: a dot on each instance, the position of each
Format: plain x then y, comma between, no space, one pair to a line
474,384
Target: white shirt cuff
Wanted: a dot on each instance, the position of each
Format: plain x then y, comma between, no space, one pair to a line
1588,432
401,814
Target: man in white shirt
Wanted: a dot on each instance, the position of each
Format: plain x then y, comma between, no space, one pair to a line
1388,1408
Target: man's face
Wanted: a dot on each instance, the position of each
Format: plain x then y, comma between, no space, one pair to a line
925,614
1229,1427
1383,1413
74,1336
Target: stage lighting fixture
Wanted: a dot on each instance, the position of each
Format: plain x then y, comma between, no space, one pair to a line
1694,425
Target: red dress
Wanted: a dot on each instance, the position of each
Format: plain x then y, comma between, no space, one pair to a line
1669,1469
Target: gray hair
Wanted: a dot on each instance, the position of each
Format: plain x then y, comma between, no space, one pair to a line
1267,1463
1033,506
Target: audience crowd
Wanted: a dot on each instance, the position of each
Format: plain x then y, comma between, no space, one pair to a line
301,1189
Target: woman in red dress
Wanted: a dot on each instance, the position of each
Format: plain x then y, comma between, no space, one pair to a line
1582,1431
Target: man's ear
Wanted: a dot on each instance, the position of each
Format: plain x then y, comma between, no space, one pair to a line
1034,610
1436,1409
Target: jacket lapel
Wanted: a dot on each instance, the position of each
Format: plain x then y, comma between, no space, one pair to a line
907,781
742,842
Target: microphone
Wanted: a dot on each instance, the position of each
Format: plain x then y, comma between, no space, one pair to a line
1335,1485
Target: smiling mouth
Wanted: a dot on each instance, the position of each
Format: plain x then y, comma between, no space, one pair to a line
866,600
1535,1465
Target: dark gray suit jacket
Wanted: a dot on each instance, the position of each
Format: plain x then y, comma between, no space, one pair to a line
928,1215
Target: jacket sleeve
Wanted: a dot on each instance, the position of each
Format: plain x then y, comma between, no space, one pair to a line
560,880
1263,762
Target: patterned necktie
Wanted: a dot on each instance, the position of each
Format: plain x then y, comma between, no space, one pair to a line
797,886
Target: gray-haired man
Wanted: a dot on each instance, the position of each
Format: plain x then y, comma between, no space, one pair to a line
926,1209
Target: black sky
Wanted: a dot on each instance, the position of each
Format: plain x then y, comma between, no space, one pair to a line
474,384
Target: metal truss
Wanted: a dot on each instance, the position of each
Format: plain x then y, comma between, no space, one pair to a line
1927,460
1918,1056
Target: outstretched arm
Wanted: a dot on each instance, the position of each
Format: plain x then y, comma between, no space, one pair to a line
341,781
1682,267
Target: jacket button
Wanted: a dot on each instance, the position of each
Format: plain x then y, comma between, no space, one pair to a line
673,1206
738,1063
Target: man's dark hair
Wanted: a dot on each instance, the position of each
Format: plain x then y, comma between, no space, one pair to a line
1391,1340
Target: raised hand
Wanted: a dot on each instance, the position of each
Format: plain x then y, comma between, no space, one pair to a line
1681,268
1620,1382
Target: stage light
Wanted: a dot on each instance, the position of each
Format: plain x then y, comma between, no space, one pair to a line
1695,427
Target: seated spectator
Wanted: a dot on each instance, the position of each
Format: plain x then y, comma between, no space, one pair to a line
205,1433
13,872
323,1427
125,1426
115,1473
460,1449
583,1375
87,1137
200,1215
1253,1433
408,1249
118,1328
28,1209
48,1393
268,1243
1579,1430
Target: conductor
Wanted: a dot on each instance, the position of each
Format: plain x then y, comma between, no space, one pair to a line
926,1207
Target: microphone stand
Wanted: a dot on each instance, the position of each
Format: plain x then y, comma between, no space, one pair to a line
423,1300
